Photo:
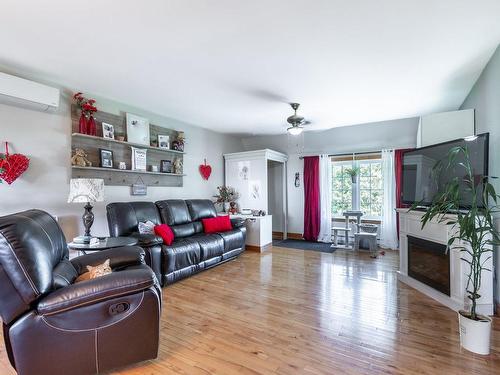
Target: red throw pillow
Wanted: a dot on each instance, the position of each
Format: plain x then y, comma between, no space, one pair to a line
165,232
217,224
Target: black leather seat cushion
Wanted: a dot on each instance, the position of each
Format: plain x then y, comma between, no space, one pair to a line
233,239
174,212
201,209
124,217
211,245
181,254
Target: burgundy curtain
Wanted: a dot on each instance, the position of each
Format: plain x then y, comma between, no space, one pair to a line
311,198
398,165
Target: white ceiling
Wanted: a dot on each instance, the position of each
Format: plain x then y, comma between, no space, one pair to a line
232,65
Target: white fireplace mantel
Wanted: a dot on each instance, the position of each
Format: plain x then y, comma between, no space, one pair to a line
410,224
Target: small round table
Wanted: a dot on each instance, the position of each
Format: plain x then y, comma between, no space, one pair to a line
104,244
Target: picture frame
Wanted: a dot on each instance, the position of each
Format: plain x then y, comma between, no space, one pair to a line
137,129
139,188
108,131
164,141
139,158
166,166
106,158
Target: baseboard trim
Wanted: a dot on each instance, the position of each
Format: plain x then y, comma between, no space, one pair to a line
277,235
259,249
295,236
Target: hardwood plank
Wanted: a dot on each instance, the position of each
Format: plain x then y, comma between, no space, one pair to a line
290,311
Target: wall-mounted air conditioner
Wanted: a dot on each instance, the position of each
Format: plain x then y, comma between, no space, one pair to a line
28,94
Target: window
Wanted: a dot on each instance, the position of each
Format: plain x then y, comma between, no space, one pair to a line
341,188
366,194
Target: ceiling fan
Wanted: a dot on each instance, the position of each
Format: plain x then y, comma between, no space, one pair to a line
296,121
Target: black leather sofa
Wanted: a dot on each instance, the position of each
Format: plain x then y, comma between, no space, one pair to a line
52,325
192,250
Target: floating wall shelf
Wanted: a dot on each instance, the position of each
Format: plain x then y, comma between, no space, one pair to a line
122,152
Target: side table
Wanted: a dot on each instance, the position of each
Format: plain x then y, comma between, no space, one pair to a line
104,244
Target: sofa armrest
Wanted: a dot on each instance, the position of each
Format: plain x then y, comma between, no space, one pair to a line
147,239
119,257
102,288
238,223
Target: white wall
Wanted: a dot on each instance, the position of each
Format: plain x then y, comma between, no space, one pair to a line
46,139
366,137
485,99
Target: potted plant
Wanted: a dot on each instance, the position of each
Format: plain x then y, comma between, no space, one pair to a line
473,233
226,195
353,172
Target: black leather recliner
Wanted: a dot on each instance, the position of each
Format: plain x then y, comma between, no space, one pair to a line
192,250
54,326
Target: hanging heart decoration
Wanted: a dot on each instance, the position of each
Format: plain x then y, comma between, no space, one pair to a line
12,166
205,170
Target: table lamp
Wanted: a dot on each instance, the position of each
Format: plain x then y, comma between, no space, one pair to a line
86,190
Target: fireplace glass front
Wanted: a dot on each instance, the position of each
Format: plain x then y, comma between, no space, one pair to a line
429,262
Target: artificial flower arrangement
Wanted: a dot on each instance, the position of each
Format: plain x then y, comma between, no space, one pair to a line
87,106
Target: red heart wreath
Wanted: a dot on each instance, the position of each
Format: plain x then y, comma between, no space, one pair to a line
12,166
205,170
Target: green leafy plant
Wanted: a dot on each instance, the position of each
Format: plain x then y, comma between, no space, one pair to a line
353,172
473,230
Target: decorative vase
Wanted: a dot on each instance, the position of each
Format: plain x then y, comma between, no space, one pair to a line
91,126
82,124
475,335
225,206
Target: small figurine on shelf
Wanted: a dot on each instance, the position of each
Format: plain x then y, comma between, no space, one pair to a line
80,159
233,209
178,166
87,123
178,144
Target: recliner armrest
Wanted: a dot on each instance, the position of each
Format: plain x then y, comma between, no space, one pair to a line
238,223
102,288
147,239
119,257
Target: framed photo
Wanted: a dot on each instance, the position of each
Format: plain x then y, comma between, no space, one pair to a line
137,129
139,159
166,166
108,131
106,157
163,141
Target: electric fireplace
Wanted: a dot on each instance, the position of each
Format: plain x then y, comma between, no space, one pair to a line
429,262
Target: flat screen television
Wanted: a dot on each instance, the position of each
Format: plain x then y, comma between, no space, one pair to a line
420,184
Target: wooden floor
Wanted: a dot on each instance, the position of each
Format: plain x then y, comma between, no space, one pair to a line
302,312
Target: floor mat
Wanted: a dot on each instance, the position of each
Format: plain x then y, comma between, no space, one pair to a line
304,245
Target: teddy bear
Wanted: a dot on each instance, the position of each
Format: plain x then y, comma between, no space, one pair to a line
80,158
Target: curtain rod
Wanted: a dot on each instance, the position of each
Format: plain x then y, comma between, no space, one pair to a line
347,154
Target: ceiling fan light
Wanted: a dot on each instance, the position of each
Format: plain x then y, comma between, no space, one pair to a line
295,130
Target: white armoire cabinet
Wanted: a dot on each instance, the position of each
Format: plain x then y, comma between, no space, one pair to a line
260,179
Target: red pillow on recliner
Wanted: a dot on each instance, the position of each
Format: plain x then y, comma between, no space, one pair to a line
166,233
217,224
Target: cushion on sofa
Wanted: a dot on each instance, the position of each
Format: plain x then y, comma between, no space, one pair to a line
147,227
181,254
211,245
124,217
217,224
165,232
173,212
233,239
201,209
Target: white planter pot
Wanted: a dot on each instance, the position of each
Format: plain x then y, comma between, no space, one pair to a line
475,335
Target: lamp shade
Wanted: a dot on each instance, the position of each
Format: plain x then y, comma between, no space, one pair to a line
83,190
